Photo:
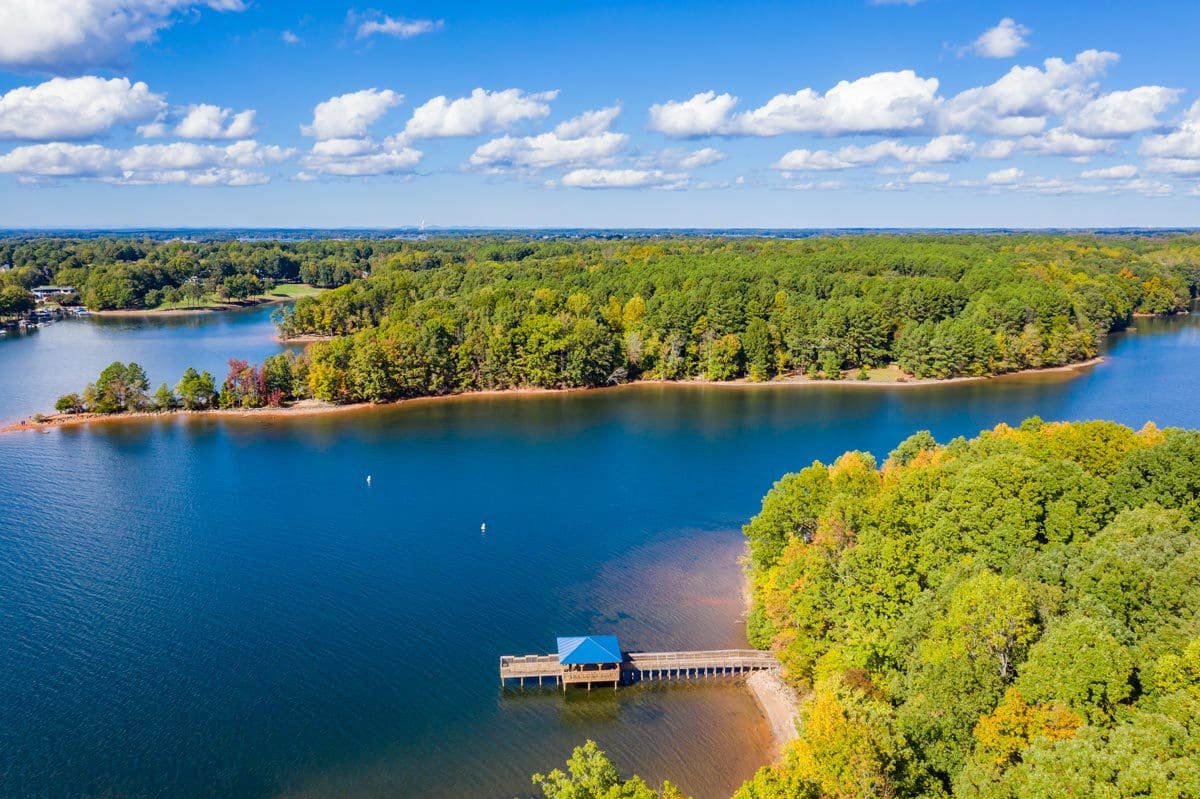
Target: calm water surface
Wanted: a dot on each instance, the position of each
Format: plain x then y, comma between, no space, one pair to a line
223,608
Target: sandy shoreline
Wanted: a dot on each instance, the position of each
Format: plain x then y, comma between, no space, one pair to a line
779,704
317,407
777,700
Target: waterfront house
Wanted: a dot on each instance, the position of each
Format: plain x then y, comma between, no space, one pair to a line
43,293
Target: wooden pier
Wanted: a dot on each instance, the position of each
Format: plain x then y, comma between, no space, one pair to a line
636,667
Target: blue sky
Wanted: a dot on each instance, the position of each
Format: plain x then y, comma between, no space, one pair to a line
932,113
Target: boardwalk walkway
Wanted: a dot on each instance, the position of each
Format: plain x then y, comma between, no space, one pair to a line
638,667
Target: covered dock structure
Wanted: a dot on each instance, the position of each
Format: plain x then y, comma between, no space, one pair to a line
586,660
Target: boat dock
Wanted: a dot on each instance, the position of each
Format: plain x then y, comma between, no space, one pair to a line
581,661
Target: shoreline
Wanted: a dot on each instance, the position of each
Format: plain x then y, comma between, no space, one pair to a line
203,309
778,701
317,407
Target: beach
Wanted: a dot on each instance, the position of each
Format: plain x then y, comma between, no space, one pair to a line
311,407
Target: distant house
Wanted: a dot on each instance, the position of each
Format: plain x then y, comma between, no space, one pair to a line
43,293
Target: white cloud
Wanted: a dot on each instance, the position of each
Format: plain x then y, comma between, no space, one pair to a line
822,185
705,114
1020,102
943,149
1150,188
204,121
73,108
584,139
1005,177
1060,141
179,162
928,177
1111,172
1183,142
1003,41
1174,166
349,115
482,112
883,102
400,28
705,156
290,38
1123,113
622,179
61,35
997,148
361,158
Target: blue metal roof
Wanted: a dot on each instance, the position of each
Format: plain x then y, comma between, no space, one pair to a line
589,649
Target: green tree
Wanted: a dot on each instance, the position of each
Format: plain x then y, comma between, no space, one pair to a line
725,358
164,398
1080,663
197,391
121,387
591,775
69,403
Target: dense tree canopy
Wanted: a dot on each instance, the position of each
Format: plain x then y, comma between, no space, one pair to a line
1013,616
127,273
451,315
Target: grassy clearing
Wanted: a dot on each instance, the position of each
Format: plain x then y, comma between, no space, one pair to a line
294,291
291,291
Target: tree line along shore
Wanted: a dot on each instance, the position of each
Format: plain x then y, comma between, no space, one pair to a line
454,315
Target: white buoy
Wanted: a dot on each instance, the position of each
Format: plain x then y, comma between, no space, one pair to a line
368,480
483,528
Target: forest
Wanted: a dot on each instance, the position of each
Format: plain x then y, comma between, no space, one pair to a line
455,315
445,316
127,273
1012,616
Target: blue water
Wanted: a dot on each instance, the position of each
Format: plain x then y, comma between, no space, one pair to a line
223,607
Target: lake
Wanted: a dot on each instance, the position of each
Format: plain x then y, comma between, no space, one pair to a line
223,607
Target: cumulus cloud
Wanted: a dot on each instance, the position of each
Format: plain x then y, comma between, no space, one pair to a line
236,164
997,149
1003,41
622,179
359,158
60,35
943,149
482,112
1015,180
349,115
399,28
1174,166
290,38
585,139
1062,142
880,103
1020,102
705,156
1123,113
1111,172
1004,177
75,108
1183,142
928,177
204,121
